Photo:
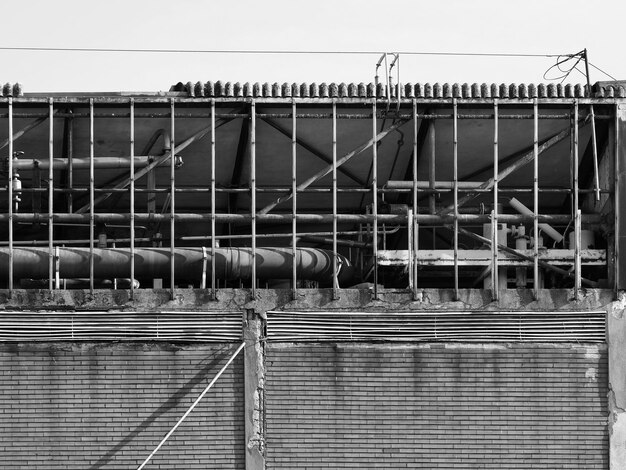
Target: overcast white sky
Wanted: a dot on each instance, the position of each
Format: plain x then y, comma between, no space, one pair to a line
531,26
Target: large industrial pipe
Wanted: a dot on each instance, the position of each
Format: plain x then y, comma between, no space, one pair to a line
230,263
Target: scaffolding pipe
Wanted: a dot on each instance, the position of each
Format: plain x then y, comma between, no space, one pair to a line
132,197
428,219
10,200
545,228
82,163
230,263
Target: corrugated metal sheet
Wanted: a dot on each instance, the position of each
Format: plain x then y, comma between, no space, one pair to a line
120,326
444,326
221,89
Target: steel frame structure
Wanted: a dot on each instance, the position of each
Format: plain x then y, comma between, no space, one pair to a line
414,220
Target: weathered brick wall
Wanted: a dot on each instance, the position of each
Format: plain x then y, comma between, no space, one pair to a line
106,406
436,406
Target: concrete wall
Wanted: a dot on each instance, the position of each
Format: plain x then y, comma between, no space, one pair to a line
106,406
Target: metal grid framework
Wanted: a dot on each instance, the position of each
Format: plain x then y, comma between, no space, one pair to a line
414,211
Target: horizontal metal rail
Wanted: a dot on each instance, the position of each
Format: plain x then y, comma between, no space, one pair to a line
381,115
433,219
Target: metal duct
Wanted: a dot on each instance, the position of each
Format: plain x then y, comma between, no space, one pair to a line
231,263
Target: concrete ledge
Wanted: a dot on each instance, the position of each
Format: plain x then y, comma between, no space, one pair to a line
308,299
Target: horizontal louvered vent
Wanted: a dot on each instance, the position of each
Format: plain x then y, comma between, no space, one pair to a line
120,326
448,326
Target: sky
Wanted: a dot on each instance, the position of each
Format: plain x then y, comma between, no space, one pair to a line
480,26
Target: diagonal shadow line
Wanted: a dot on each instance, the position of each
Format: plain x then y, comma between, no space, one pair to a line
170,403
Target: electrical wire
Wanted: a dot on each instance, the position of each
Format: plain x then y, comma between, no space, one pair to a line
600,70
268,52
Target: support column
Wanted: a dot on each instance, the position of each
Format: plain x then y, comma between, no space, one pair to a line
617,314
254,389
617,384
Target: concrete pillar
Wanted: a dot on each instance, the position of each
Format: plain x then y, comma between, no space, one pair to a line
254,386
617,384
620,192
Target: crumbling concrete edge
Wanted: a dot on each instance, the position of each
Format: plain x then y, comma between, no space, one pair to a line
616,340
254,390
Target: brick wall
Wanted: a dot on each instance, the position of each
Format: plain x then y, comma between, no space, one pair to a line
106,406
436,406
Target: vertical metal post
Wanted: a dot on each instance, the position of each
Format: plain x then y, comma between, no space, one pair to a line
431,169
10,188
132,198
294,144
616,199
536,281
374,200
577,260
455,156
91,195
50,195
172,198
213,202
253,191
577,278
70,163
57,268
576,194
409,230
335,254
414,225
494,220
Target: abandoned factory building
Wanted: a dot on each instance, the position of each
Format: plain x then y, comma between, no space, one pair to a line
279,276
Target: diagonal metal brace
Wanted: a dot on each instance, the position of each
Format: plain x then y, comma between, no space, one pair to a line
320,174
310,148
158,161
520,162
